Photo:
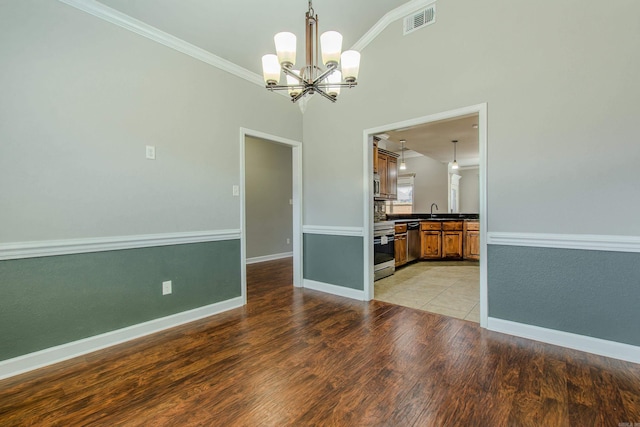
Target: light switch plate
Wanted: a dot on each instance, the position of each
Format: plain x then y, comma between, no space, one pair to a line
236,190
151,152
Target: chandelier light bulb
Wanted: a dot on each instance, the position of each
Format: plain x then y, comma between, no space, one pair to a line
286,48
403,165
331,46
271,69
350,60
292,81
335,77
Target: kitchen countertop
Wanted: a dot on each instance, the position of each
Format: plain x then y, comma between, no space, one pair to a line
402,218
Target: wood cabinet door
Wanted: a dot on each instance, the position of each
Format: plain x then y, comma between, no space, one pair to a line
452,244
472,245
375,156
400,249
392,178
431,244
382,171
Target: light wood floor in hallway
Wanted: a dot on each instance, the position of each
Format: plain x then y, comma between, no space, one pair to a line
295,357
451,288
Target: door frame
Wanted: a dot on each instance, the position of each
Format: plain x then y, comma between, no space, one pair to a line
296,189
481,110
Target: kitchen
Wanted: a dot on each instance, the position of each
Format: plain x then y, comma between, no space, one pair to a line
426,221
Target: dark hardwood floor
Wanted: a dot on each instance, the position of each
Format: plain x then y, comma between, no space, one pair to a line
303,358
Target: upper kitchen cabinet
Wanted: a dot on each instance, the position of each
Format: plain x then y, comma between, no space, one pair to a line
388,170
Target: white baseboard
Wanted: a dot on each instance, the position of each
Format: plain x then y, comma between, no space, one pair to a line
335,290
597,346
273,257
49,356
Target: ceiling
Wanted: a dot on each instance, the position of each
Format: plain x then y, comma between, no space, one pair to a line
241,31
434,140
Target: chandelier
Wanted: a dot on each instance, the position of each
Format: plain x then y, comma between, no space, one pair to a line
311,77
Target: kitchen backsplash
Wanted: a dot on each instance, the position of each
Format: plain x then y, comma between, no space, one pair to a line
379,210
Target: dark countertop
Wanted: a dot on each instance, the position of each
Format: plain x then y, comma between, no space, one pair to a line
400,218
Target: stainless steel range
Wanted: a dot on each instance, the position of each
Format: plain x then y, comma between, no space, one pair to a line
384,263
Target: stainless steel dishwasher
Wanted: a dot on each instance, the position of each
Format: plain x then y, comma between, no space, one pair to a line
413,241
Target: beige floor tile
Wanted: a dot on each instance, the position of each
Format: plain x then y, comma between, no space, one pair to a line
445,311
443,287
473,317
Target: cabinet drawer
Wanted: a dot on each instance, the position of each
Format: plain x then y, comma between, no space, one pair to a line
401,228
472,225
430,225
452,225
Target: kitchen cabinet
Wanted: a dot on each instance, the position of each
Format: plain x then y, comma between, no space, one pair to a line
375,155
387,167
400,246
452,239
472,240
430,240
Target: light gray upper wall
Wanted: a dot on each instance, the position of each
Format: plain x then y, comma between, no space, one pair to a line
562,94
429,185
268,187
469,190
80,100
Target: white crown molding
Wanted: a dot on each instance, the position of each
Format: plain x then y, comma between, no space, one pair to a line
113,16
125,21
567,241
101,244
334,290
49,356
273,257
333,231
397,13
598,346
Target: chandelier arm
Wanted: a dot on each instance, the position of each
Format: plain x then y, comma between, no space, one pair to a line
329,71
289,72
325,94
302,93
330,85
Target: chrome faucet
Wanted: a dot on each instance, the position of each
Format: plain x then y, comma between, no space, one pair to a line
432,205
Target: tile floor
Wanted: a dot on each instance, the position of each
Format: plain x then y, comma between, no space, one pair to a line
451,288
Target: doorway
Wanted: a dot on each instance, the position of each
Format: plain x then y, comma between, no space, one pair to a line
271,241
481,111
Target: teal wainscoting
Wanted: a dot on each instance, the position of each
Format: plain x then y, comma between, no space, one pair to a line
55,300
585,292
335,260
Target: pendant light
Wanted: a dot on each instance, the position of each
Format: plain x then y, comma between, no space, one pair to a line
403,165
454,165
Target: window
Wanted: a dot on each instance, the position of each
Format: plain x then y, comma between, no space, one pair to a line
404,204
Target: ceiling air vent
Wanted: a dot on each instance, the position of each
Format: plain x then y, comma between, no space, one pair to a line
420,19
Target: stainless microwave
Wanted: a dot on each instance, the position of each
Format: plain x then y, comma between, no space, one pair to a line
376,185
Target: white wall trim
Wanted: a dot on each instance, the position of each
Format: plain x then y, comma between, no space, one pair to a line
49,356
333,230
335,290
597,346
272,257
101,244
567,241
397,13
125,21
